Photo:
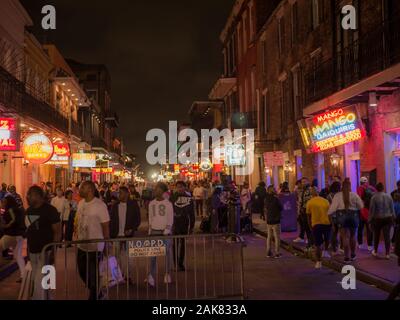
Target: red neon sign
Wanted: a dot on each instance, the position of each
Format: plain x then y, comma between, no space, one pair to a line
9,134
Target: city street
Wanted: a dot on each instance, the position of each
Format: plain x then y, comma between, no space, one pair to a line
163,150
289,278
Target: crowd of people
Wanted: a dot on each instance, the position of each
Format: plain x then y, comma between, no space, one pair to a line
334,220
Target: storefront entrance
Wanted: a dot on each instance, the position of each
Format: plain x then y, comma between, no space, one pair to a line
392,159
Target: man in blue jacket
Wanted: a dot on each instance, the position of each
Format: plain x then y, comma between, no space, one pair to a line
184,220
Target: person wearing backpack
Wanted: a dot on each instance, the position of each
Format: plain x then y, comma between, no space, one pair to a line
365,191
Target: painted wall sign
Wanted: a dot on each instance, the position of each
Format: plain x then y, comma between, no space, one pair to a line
332,129
9,134
37,148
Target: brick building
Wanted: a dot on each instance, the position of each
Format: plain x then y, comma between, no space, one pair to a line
290,61
312,65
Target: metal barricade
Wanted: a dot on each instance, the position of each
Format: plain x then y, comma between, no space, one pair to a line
212,268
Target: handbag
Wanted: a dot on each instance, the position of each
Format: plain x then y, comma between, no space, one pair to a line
26,290
114,276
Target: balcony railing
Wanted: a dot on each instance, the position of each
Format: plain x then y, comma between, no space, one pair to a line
98,142
14,97
372,53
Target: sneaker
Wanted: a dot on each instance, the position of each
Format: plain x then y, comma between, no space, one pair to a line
278,256
318,265
150,281
347,260
269,255
167,278
341,251
374,254
353,258
370,248
298,240
326,254
361,247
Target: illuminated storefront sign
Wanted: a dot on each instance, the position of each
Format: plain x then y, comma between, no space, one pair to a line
37,148
9,134
83,160
331,129
235,155
61,154
103,170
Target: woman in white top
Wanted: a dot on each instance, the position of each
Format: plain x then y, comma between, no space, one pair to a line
345,208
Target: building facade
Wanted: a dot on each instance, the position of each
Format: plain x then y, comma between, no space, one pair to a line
325,100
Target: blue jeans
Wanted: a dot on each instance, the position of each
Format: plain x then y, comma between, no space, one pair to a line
168,255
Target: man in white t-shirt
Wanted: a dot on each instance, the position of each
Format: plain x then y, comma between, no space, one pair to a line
62,206
93,224
161,220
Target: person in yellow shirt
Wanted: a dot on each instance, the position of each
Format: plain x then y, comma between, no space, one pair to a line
317,210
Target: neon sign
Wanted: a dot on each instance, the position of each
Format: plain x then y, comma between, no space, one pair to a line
9,134
332,129
61,154
37,148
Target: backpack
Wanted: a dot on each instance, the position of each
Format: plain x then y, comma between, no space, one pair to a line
368,193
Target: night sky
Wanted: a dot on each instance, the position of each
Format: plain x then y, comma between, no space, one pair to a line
162,55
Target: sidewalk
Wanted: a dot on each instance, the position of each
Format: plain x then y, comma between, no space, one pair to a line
379,272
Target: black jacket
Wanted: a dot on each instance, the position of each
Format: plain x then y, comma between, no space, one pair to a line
132,222
184,218
274,209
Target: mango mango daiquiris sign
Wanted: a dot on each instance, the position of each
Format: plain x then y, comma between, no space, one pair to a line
331,129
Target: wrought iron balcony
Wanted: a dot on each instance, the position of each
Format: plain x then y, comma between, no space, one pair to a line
112,119
99,143
15,98
371,54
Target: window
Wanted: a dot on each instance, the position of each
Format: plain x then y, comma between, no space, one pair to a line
246,95
226,70
239,40
317,12
282,105
245,33
265,115
296,93
92,95
281,35
253,88
294,24
251,20
264,56
91,77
